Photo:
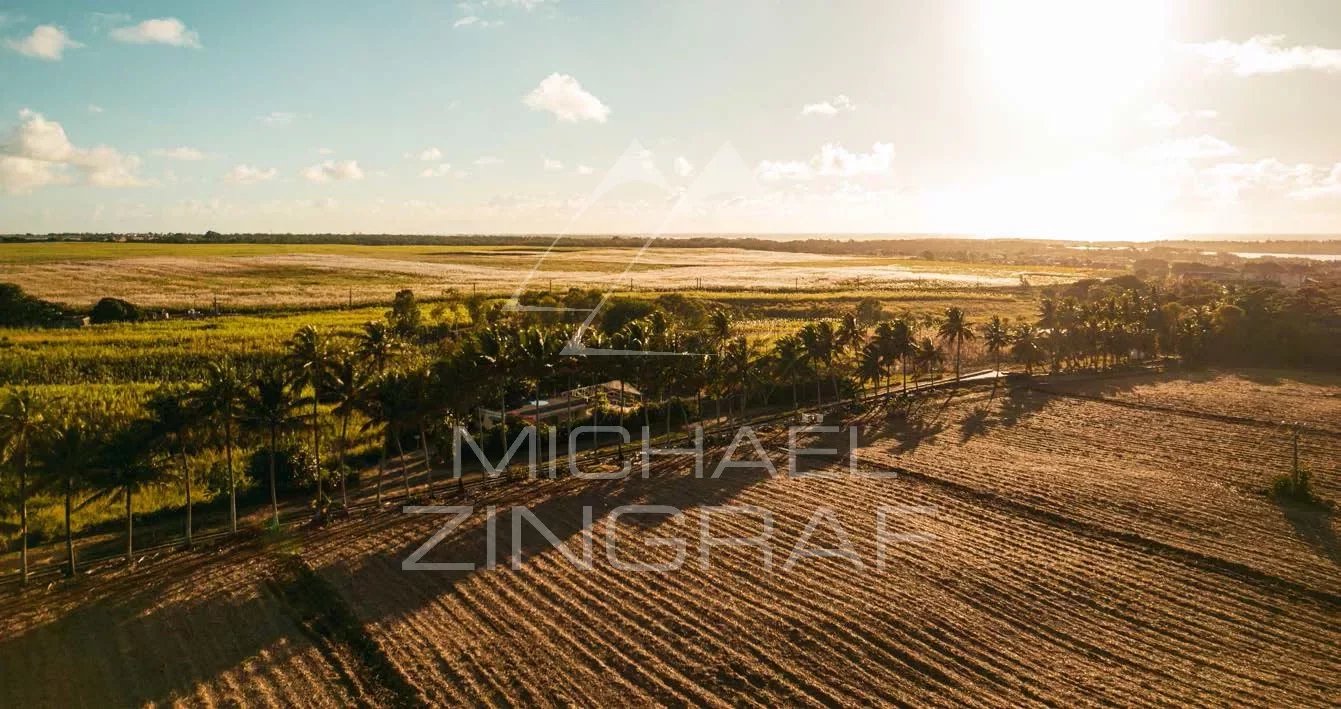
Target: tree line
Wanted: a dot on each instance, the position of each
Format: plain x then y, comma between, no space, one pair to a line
399,381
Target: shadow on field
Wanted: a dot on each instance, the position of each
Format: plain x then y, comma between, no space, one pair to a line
557,504
1313,523
123,641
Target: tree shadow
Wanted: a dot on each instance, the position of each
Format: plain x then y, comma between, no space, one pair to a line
1312,521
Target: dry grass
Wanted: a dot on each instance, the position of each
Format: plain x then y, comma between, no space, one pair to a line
251,275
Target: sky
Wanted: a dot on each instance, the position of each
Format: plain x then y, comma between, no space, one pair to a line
1050,118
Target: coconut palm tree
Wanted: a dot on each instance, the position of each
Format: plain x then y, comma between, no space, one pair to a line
172,423
390,409
68,460
127,467
896,341
817,341
1025,348
348,377
720,329
24,425
219,401
996,337
310,360
871,364
928,356
789,359
741,360
270,408
377,344
954,330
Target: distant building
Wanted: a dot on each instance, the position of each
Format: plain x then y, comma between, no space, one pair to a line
1185,271
1288,275
579,402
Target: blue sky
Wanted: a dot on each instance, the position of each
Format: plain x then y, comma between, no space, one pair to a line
1039,117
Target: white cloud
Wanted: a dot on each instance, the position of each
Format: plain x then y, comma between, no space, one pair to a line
1264,54
37,139
163,30
248,174
475,21
441,170
552,165
334,170
1327,187
683,168
277,118
47,42
21,175
1162,115
833,160
1202,147
487,160
584,170
94,108
180,153
829,107
430,154
563,96
325,151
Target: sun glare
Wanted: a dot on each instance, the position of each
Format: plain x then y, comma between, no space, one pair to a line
1066,58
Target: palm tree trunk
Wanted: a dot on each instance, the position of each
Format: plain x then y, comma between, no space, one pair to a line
274,493
186,477
428,463
381,470
316,439
620,438
23,518
404,469
69,534
130,528
340,464
232,484
795,402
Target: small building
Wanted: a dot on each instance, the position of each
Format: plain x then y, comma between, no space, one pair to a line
1191,271
574,403
1287,275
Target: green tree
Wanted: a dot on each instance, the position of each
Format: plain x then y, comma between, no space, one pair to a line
219,401
24,426
954,331
172,422
68,461
310,360
270,408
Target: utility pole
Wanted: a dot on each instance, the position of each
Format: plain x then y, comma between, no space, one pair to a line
1294,464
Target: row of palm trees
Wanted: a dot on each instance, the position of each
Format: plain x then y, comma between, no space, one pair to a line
375,383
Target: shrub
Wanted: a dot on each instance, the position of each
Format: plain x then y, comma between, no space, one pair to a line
1293,487
110,310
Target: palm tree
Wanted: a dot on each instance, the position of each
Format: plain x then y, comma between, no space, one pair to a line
347,381
389,407
1025,348
741,358
928,356
871,365
996,336
172,421
896,340
220,401
23,427
125,469
817,339
270,407
789,357
954,330
719,333
68,460
310,359
377,344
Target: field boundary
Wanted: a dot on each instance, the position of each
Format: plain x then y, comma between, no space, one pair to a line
1093,530
1190,413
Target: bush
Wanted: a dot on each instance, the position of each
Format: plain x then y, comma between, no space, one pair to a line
18,309
1293,487
295,468
110,310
